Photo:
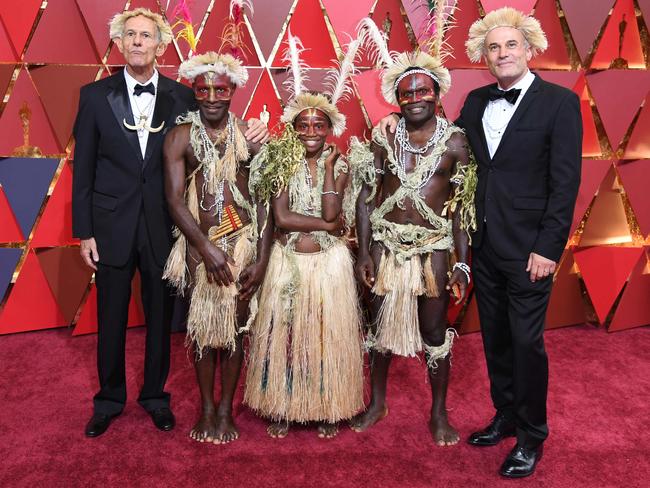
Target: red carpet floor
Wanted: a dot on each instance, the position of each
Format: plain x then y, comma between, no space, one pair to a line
598,408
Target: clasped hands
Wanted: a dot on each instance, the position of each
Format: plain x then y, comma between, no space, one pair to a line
218,271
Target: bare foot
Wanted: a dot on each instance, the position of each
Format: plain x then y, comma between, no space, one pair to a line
225,429
443,433
327,431
205,428
367,419
278,430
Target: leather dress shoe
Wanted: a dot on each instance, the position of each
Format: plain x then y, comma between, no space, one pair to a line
521,462
500,427
163,418
98,424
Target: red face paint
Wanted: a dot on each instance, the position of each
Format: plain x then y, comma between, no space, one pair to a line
213,88
313,127
416,88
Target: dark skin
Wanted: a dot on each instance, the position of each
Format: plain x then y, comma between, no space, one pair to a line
313,127
417,99
213,95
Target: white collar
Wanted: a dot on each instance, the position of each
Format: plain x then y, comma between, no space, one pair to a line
522,84
131,81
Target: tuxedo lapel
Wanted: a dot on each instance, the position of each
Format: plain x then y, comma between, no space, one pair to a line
162,111
530,95
118,99
480,109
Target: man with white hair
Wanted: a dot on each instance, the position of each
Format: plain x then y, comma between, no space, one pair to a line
526,135
119,209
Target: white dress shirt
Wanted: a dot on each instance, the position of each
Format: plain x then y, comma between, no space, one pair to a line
143,104
498,113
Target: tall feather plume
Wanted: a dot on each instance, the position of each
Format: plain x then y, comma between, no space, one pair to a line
377,49
440,20
232,36
182,13
338,80
295,83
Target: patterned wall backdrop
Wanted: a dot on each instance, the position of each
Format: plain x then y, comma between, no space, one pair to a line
49,49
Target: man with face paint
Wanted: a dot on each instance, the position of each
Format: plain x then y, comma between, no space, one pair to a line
119,209
305,358
414,210
219,257
526,134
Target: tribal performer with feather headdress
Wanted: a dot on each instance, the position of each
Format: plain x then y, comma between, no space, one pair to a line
306,360
219,257
414,214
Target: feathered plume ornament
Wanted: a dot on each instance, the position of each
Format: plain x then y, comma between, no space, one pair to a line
440,20
232,37
397,64
182,13
295,83
337,82
374,41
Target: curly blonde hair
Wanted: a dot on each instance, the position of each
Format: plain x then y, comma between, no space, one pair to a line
116,25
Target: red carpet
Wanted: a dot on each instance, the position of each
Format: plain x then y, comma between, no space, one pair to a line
598,408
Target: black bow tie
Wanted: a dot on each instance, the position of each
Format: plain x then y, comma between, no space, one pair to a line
144,88
510,95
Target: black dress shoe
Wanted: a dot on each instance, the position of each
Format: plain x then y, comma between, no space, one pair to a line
500,428
163,418
521,462
98,424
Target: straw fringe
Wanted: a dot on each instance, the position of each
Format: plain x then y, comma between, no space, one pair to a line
212,317
435,353
176,271
398,325
306,360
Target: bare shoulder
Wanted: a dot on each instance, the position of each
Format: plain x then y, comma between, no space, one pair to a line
178,138
457,143
181,131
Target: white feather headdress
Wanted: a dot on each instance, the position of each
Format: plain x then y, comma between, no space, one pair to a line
337,84
211,62
428,59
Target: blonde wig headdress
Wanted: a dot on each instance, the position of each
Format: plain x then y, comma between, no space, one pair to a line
116,25
427,60
504,17
211,62
337,85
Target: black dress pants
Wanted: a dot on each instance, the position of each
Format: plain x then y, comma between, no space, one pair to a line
512,313
113,296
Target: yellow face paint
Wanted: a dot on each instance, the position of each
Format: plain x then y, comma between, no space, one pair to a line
416,88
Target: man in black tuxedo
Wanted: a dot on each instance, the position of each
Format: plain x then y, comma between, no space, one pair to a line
119,209
526,135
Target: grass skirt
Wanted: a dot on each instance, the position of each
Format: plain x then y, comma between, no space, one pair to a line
212,317
400,285
306,359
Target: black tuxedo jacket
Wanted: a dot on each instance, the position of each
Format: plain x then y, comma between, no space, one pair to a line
111,179
526,193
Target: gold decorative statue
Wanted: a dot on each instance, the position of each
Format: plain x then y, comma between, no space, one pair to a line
26,151
620,62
